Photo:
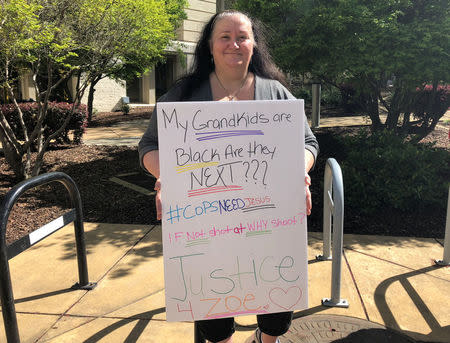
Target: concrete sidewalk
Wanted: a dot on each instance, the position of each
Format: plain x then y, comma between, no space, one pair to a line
387,280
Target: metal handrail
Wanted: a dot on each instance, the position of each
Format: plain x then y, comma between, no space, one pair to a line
333,212
446,259
6,294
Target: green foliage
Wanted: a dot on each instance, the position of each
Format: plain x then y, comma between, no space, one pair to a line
303,92
364,43
281,20
380,170
331,96
125,109
57,112
428,102
55,39
126,37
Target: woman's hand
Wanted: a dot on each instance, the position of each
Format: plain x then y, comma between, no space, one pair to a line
308,194
309,162
158,199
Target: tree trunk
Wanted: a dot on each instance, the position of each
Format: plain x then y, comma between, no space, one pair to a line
371,107
13,157
90,102
392,120
406,123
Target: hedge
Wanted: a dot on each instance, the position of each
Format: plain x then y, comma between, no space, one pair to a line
56,114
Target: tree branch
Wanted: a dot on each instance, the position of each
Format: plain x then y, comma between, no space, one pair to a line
9,133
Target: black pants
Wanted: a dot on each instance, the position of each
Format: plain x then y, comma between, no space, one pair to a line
272,324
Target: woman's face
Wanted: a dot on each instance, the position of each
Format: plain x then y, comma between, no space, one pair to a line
232,42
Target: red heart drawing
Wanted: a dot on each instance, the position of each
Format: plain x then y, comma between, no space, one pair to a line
285,299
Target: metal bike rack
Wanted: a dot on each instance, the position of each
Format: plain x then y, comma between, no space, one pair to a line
7,252
333,212
446,259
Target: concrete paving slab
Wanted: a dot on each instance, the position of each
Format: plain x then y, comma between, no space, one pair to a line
319,283
100,132
151,306
107,243
31,326
43,275
107,330
402,298
64,325
128,141
126,129
138,275
409,252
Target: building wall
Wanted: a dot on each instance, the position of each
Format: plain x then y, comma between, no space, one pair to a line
108,95
198,13
27,87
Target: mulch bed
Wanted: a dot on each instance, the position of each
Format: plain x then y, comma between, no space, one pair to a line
91,167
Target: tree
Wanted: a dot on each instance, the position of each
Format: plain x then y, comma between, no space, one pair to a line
365,44
120,46
58,39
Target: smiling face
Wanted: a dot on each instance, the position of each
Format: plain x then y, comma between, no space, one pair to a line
232,42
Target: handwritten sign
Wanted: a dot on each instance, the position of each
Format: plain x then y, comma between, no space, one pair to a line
233,194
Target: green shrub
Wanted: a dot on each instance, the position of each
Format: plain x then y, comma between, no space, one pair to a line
126,109
56,114
330,96
302,93
429,104
349,98
381,170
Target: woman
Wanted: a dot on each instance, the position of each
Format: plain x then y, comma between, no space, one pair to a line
231,63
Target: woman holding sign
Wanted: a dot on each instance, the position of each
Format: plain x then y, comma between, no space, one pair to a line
231,63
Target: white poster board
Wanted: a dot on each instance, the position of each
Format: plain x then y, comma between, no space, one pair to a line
233,195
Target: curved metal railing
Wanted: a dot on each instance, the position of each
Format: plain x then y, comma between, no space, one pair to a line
333,212
8,252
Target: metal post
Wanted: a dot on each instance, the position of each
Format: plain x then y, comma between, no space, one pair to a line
6,294
79,237
335,194
446,259
328,208
315,118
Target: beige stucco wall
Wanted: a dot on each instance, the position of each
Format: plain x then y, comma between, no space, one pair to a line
198,13
107,96
27,87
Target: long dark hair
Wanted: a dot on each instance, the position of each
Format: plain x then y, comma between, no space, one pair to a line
261,63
